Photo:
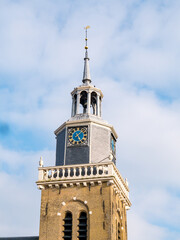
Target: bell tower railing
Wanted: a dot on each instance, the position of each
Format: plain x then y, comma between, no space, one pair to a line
83,174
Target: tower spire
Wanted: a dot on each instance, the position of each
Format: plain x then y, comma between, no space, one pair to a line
86,73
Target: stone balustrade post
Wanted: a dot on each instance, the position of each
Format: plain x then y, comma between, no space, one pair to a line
40,175
63,173
110,169
102,168
75,172
85,170
91,171
80,171
69,171
46,174
57,173
97,169
52,174
106,169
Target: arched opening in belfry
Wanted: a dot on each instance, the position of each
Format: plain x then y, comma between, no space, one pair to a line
74,104
67,226
83,102
94,103
82,226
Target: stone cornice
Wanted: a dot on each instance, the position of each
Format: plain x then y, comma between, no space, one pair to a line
85,121
87,87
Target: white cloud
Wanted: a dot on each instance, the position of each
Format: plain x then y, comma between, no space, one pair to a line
140,229
148,154
148,128
20,199
134,52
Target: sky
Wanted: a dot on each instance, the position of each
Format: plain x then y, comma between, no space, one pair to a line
134,50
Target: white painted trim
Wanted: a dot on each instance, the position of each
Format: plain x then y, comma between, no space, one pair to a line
86,121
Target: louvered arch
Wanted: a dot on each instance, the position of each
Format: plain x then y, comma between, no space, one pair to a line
119,232
67,226
82,226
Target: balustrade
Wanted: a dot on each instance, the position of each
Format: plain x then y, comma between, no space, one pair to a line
61,172
77,172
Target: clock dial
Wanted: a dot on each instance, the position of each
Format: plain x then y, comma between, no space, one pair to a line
77,136
113,145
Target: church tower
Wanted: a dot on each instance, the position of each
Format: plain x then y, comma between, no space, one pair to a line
84,196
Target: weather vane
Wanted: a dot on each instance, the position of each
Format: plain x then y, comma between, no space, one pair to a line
86,28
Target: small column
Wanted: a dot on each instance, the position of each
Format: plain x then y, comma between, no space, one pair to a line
57,173
91,170
69,172
78,102
63,173
46,174
85,169
88,102
80,171
98,106
97,169
72,110
52,172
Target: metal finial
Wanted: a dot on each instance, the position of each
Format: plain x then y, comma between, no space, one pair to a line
86,73
86,28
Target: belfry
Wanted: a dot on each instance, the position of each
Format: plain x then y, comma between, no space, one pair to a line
84,196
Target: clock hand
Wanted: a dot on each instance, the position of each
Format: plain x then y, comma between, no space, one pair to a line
77,134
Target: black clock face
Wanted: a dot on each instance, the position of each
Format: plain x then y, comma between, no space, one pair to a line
77,136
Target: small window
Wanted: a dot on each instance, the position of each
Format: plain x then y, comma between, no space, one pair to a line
82,226
83,102
68,226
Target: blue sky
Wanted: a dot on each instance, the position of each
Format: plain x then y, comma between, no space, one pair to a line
134,49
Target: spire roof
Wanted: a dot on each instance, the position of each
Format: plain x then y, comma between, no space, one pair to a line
86,73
